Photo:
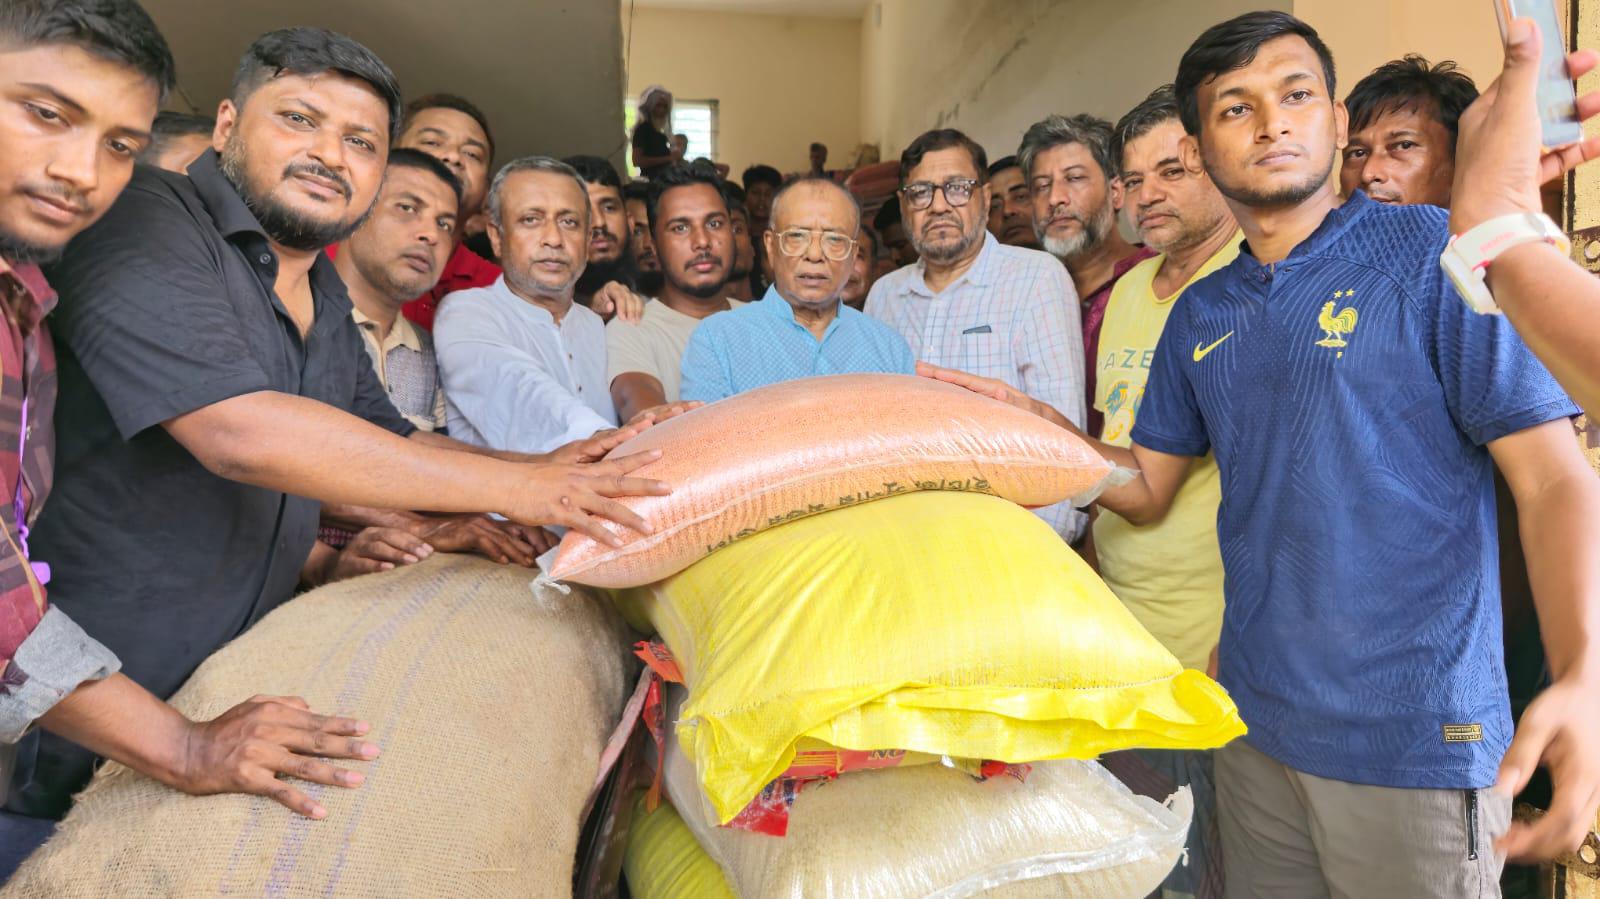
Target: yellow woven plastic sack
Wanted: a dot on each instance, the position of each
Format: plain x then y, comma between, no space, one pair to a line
945,623
664,860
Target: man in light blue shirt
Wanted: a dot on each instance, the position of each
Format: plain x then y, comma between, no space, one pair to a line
799,328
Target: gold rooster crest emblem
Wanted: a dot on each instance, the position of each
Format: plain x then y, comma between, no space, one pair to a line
1336,324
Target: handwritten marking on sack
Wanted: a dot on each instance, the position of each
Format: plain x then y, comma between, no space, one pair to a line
890,488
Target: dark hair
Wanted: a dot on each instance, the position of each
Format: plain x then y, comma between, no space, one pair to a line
733,195
636,190
824,180
1233,45
312,51
405,157
680,174
761,174
595,170
1411,83
170,125
865,233
817,145
888,215
116,30
943,139
450,101
1000,165
1161,106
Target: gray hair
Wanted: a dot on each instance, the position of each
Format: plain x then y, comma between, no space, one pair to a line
1161,106
813,181
1058,130
532,164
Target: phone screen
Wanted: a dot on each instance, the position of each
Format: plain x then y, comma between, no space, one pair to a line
1558,99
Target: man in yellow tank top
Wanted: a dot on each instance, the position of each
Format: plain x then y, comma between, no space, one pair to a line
1169,574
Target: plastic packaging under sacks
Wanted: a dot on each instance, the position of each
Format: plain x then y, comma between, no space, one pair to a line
949,624
1070,831
664,861
800,448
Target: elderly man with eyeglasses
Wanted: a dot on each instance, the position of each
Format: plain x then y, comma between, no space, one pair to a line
974,304
799,328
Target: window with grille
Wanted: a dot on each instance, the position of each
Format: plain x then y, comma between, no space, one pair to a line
695,119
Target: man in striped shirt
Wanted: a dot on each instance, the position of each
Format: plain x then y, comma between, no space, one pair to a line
974,304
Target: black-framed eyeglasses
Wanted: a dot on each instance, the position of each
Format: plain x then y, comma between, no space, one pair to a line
796,241
957,192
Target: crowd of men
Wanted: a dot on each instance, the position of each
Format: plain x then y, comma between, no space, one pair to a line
320,335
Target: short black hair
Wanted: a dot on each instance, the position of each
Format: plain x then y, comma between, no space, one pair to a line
312,51
1161,106
867,235
733,195
595,170
943,139
450,101
817,145
405,157
680,174
636,190
116,30
1411,83
761,174
169,125
1233,45
888,215
1003,163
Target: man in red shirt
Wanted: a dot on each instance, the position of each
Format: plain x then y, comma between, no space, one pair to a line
454,131
1067,161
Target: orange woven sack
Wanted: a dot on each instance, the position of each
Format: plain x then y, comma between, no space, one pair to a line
800,448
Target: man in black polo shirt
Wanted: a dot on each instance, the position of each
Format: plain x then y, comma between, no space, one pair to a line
214,389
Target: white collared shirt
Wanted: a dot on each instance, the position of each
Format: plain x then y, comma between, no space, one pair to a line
1013,316
513,378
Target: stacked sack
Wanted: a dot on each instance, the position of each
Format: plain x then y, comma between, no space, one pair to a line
845,577
491,707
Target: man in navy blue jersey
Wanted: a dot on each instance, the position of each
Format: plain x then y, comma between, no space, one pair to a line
1355,405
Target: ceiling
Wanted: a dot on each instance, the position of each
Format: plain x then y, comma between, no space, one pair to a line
556,97
852,9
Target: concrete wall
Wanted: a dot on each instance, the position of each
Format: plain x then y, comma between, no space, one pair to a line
542,95
992,67
781,82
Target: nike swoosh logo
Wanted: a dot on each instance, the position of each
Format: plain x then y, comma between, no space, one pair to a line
1202,352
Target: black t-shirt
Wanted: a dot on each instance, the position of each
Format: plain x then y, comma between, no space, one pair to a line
167,306
649,141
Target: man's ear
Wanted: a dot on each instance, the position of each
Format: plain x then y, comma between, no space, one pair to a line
495,239
227,120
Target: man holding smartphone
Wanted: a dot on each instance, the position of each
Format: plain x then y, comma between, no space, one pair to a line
1354,405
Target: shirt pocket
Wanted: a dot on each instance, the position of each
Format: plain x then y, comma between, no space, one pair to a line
983,353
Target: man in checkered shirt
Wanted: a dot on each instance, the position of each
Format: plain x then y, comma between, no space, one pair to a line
974,304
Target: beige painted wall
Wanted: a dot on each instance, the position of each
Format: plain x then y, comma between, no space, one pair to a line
1364,34
553,97
781,82
992,67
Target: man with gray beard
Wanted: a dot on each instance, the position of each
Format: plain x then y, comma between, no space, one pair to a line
973,303
1067,161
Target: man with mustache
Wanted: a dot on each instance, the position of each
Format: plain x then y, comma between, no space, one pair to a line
1011,205
523,364
213,393
1403,124
1069,169
1356,407
1168,574
744,250
640,244
609,261
973,303
397,253
800,328
693,235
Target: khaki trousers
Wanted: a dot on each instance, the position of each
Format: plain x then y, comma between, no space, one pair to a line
1287,834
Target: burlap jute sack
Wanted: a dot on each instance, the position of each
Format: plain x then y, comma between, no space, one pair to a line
491,708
